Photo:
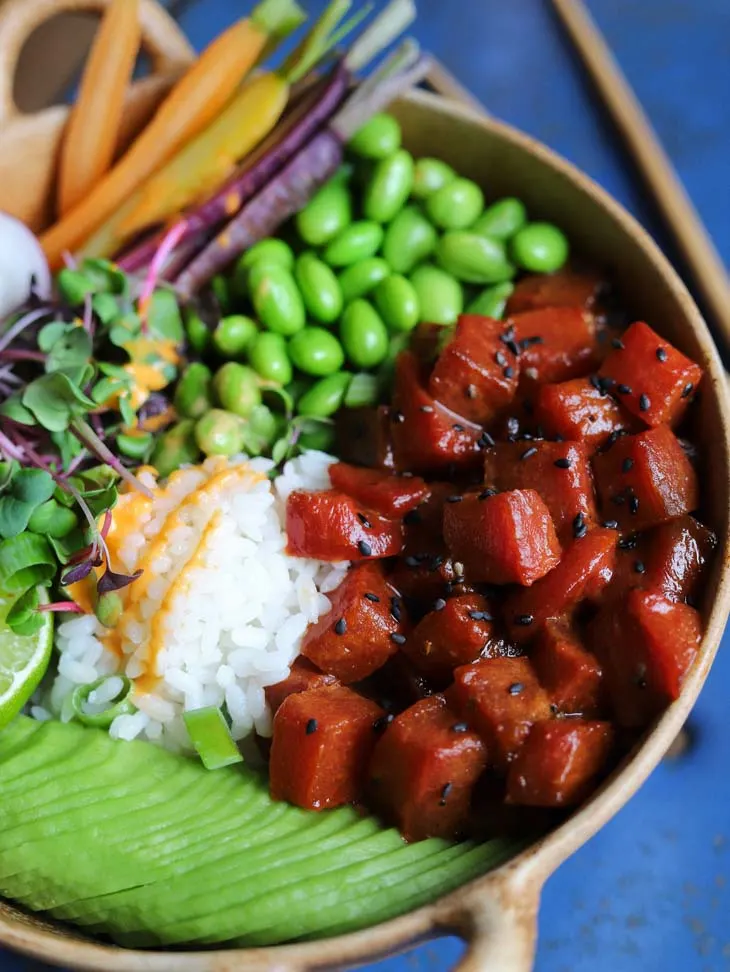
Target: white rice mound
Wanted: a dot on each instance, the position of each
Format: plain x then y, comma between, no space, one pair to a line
222,602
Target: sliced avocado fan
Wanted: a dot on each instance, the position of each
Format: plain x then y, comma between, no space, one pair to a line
151,849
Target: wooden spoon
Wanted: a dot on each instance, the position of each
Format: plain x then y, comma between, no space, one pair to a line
31,141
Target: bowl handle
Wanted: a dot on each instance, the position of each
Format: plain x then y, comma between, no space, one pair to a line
161,37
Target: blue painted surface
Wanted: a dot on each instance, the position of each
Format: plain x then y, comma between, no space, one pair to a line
649,893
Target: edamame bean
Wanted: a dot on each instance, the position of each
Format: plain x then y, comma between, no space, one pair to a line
276,299
234,335
269,358
221,292
356,242
502,219
540,248
455,205
377,139
325,396
327,213
363,277
363,334
319,287
219,433
397,301
474,259
388,187
260,430
197,331
408,240
269,250
440,297
316,351
364,390
320,438
176,448
492,301
135,446
237,388
430,175
52,519
192,395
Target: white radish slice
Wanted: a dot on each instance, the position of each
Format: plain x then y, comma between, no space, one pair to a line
22,262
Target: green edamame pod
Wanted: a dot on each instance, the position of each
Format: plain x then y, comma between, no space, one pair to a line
259,430
502,219
455,205
269,250
176,448
377,139
440,296
276,299
197,331
269,358
326,214
316,351
192,395
408,240
319,287
135,446
356,242
363,277
388,187
397,302
364,390
219,433
325,396
234,335
474,259
540,248
430,175
237,388
363,334
492,301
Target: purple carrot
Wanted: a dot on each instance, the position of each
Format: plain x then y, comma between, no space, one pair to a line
311,112
294,185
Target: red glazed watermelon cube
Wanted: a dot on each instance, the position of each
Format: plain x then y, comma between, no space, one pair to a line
566,288
557,343
579,410
303,675
391,496
570,674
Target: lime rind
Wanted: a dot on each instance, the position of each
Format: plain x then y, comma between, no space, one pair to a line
24,660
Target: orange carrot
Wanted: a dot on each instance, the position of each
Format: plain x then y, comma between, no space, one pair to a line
193,103
91,136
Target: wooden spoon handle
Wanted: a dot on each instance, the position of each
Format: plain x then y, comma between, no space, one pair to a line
161,37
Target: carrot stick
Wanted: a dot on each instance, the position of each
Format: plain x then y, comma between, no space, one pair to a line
192,104
91,137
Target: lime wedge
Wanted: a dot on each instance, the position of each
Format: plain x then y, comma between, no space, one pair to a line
23,661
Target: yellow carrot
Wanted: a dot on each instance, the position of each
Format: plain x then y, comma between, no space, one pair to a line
93,128
193,103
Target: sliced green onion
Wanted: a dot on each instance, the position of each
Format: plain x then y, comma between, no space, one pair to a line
209,734
101,714
362,390
25,560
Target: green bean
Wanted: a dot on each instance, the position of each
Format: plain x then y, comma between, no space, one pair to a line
237,388
455,205
363,334
51,519
356,242
325,396
430,175
327,213
192,395
269,358
502,219
176,448
361,278
276,299
319,287
197,331
540,248
474,259
219,433
440,296
316,352
397,301
388,187
377,139
234,335
492,301
408,240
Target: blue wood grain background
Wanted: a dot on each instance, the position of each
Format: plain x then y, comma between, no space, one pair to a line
649,893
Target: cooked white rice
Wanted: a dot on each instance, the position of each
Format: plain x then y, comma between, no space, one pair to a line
220,605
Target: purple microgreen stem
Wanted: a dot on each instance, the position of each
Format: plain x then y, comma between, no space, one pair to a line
87,437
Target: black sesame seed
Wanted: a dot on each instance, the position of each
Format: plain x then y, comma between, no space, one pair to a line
364,547
623,389
444,793
439,604
383,721
627,465
341,626
596,382
513,347
411,561
470,391
397,417
527,342
629,543
426,408
639,567
456,498
486,493
460,727
528,453
524,619
513,425
563,463
364,520
509,372
617,343
661,354
579,527
436,562
508,334
311,727
610,524
606,383
485,441
634,505
411,517
395,608
480,616
516,688
687,390
372,597
501,359
399,639
457,428
644,403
